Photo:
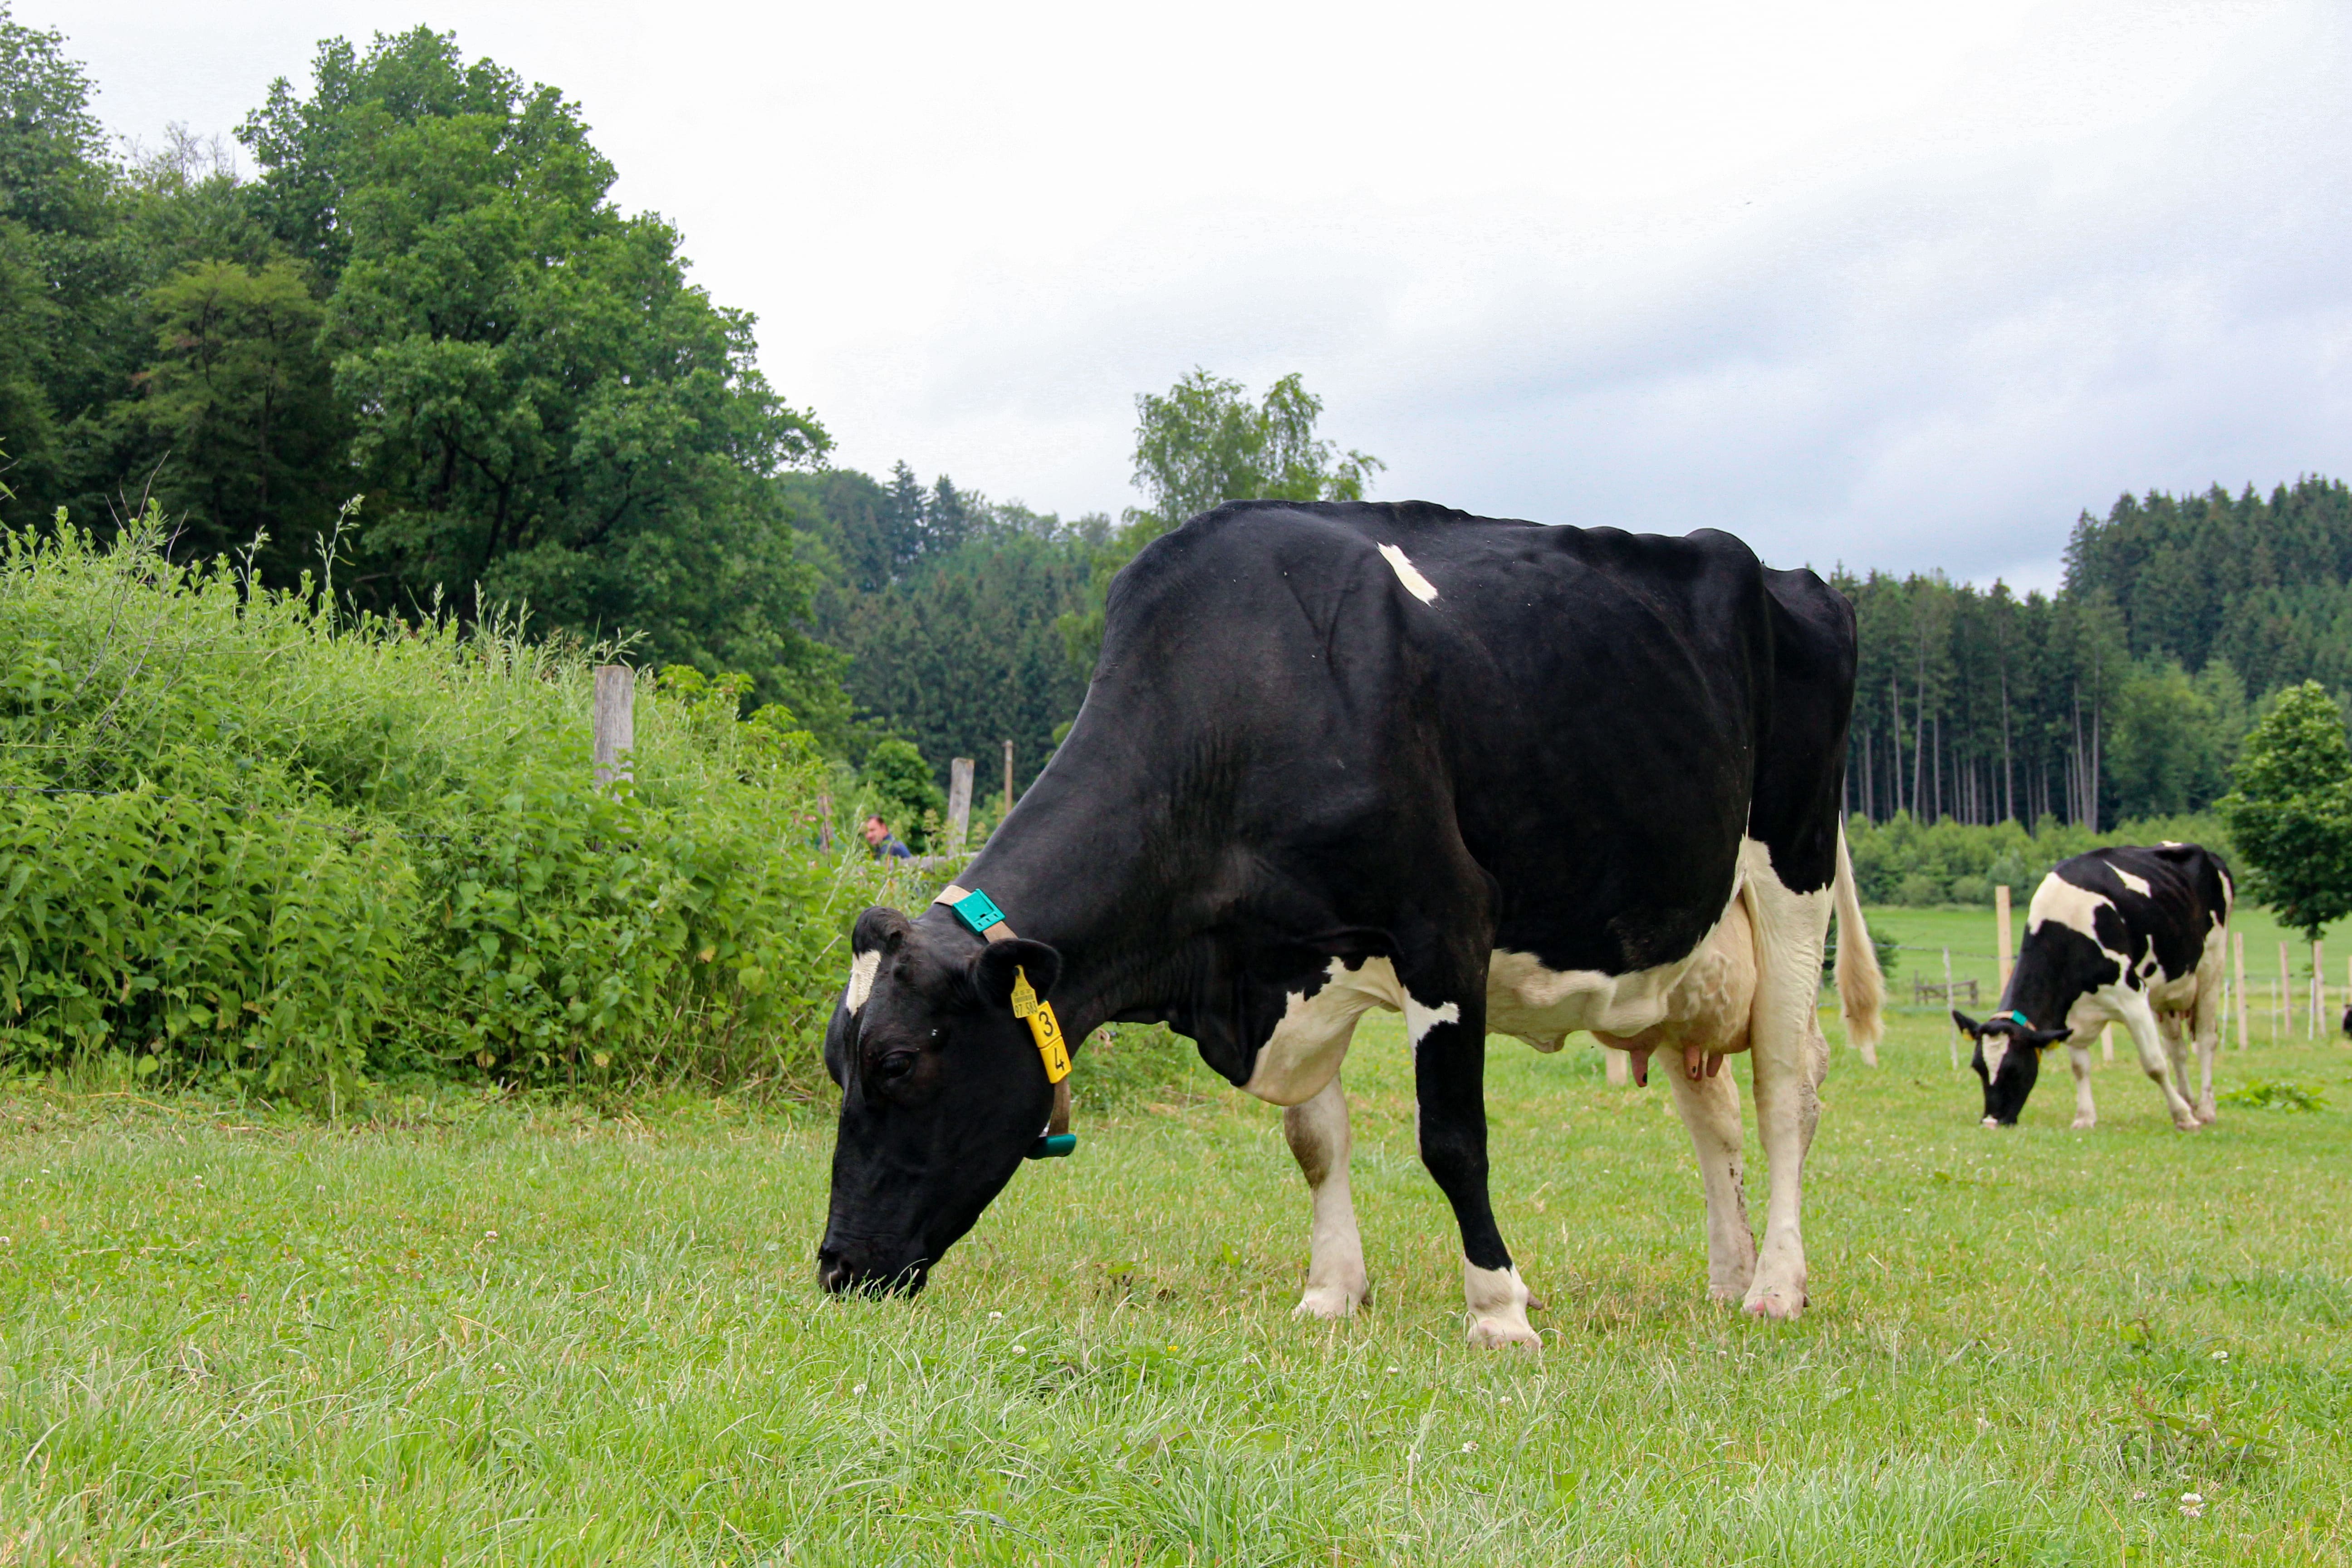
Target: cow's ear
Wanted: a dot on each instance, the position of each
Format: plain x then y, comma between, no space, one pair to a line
1968,1026
2042,1040
879,930
992,967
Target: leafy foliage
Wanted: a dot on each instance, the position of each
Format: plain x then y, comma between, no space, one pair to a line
244,836
898,782
2290,813
1203,443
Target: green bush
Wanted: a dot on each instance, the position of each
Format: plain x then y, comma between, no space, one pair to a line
244,837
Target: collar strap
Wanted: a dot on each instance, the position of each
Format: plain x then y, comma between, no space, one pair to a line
979,914
2014,1016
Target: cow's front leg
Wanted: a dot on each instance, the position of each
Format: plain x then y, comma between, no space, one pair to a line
1449,1070
1711,1109
1318,1133
2086,1115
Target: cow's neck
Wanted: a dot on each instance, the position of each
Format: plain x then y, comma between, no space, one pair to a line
1094,879
2039,993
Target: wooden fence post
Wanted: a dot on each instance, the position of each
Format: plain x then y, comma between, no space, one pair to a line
1008,778
616,720
2238,956
2000,938
2318,992
1952,1045
1619,1067
958,803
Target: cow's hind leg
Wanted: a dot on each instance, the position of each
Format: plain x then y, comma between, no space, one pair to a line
1791,1060
1711,1109
1318,1134
2086,1115
2140,1019
2208,1025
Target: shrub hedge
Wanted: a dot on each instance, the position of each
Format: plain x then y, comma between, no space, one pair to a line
1904,862
244,836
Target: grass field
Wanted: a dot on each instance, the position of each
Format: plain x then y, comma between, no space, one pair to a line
1923,933
499,1334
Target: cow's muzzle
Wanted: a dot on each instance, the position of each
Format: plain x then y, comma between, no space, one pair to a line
839,1276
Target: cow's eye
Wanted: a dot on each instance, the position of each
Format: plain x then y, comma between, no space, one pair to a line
895,1066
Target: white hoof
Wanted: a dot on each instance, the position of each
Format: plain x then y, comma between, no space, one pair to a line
1778,1302
2085,1124
1330,1302
1493,1331
1990,1122
2187,1124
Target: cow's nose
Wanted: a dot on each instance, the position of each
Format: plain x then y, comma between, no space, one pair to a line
832,1273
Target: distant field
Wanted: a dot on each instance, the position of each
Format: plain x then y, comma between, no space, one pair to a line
532,1337
1923,933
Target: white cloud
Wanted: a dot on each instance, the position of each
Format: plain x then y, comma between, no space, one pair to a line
1860,283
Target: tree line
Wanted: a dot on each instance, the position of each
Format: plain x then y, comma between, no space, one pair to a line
421,350
2126,694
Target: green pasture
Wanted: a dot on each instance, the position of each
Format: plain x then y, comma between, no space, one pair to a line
1921,934
498,1334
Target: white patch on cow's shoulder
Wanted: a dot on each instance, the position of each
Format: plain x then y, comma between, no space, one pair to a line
1418,586
2136,883
861,979
2074,908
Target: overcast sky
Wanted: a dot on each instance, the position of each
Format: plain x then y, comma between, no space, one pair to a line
1889,285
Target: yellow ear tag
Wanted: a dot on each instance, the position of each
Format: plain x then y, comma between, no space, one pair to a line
1043,1025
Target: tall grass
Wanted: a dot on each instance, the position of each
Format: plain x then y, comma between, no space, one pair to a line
244,836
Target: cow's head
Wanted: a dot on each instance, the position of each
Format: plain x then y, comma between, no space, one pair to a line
942,1092
2009,1059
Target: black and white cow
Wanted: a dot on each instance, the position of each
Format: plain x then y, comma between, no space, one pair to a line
1489,774
2129,935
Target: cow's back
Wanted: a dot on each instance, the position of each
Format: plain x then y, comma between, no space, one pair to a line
1592,718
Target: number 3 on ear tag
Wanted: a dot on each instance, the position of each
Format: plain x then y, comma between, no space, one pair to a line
1043,1025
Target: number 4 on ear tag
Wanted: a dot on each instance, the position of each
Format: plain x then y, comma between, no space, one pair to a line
1043,1025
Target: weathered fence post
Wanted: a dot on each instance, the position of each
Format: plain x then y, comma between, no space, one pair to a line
2238,956
2279,1014
2000,938
1952,1045
958,803
616,720
2318,992
1619,1066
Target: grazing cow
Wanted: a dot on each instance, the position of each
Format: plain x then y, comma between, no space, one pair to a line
2129,935
1488,774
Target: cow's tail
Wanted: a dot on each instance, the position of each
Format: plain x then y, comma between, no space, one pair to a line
1861,989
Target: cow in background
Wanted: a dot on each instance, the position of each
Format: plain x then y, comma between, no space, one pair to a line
2127,935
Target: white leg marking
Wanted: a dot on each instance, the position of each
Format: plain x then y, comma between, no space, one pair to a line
1318,1137
1498,1301
1418,1020
1791,1060
862,969
2086,1115
1710,1110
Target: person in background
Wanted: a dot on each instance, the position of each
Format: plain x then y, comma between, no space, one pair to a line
883,843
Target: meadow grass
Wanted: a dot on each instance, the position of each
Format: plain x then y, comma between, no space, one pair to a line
502,1333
